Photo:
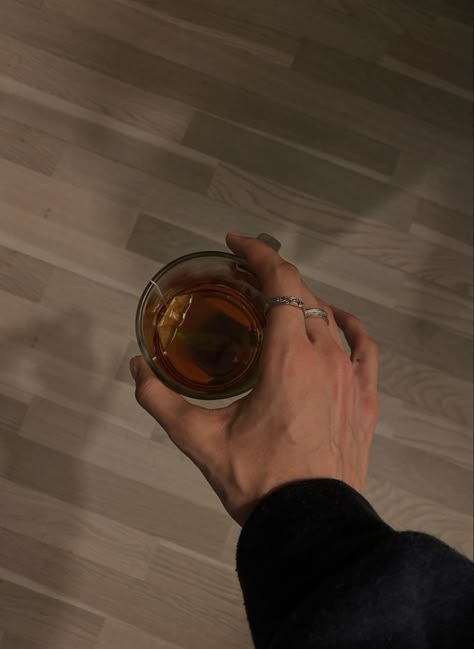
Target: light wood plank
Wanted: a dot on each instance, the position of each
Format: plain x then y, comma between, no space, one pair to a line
160,240
118,635
71,84
447,180
386,87
402,15
212,589
427,302
149,153
298,19
446,221
412,426
269,44
74,338
62,203
113,309
29,147
123,373
438,239
367,237
92,439
12,641
420,341
300,170
34,372
121,499
429,389
50,621
66,527
423,473
74,252
130,600
21,274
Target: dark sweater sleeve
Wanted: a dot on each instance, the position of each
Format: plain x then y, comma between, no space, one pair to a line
320,569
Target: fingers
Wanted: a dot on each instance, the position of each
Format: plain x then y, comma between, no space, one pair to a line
183,422
364,353
277,277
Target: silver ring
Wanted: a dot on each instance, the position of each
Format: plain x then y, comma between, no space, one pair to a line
288,300
316,313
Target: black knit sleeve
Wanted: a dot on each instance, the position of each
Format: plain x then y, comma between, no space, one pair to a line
320,569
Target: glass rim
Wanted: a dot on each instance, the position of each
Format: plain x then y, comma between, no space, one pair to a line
139,333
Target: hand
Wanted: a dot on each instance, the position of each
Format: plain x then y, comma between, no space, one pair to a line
311,415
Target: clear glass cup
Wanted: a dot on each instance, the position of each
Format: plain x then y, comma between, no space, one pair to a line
200,323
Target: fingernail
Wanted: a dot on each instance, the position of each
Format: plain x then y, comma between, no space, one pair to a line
134,367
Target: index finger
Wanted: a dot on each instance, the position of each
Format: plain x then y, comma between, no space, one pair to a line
277,277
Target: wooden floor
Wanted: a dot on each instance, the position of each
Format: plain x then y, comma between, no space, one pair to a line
135,131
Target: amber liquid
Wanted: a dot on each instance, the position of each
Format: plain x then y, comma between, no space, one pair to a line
207,338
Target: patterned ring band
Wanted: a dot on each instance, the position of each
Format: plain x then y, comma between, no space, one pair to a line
288,300
316,313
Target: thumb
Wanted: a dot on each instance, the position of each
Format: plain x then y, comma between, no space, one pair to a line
181,420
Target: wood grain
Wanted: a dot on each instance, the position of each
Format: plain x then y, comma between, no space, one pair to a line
118,635
368,237
125,453
146,152
84,91
123,500
163,241
81,532
386,87
413,426
23,275
75,252
74,338
62,203
428,388
270,44
28,147
299,169
54,622
130,600
423,473
30,371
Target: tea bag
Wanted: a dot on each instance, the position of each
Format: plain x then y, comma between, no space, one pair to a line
219,350
172,319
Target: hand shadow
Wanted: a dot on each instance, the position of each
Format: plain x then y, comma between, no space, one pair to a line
44,491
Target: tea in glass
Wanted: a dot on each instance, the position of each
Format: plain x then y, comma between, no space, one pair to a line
200,325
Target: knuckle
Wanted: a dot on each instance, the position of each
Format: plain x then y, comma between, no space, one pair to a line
287,272
342,364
